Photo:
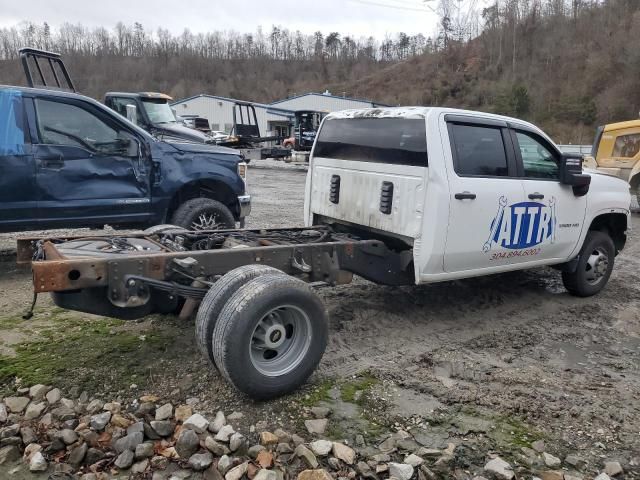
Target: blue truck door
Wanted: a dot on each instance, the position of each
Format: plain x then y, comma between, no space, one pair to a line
90,170
18,197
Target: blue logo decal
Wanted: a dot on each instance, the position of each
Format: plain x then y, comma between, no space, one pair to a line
522,225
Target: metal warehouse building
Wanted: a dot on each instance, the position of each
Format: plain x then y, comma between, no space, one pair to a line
274,118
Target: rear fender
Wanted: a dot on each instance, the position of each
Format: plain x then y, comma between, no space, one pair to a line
634,176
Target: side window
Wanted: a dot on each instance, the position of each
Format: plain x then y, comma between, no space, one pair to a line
67,124
627,146
537,160
120,105
12,138
479,151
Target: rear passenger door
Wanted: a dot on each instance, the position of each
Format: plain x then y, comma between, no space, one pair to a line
486,213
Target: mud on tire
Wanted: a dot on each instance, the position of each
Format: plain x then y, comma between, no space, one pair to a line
594,266
217,297
203,214
270,336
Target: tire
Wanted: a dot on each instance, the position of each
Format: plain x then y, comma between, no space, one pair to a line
292,319
594,266
217,297
203,214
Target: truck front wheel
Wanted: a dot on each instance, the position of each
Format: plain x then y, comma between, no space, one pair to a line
270,336
594,266
203,214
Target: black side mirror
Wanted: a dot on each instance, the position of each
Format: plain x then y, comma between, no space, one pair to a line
571,174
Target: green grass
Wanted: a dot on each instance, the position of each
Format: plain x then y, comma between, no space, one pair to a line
319,394
362,384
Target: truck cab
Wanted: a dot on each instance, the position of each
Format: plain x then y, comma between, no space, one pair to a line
152,112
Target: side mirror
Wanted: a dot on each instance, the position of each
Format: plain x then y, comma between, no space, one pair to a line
132,114
571,174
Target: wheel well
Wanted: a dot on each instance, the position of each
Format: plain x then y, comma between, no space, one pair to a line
634,181
204,189
615,225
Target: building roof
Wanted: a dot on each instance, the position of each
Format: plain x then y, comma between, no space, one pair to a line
328,95
272,110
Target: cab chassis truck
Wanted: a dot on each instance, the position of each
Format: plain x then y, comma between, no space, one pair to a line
398,196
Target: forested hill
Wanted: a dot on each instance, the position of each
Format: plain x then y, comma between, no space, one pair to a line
567,65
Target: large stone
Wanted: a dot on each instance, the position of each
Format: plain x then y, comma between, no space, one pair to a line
37,392
613,468
63,413
38,463
197,423
67,436
602,476
34,410
94,407
200,461
265,459
128,442
94,455
320,474
124,460
164,412
77,455
236,442
254,451
9,454
16,404
264,474
182,413
344,453
552,475
320,412
164,428
238,472
3,413
401,471
317,426
224,464
538,446
53,396
307,455
500,469
321,447
575,461
414,460
550,460
224,434
144,450
218,422
30,450
268,438
28,435
98,422
139,467
218,449
187,444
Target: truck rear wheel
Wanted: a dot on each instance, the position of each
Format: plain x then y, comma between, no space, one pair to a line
217,297
594,266
203,214
270,336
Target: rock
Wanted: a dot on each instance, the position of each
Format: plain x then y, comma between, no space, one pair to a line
344,453
159,462
124,460
321,447
94,407
334,463
187,444
538,446
164,412
401,471
55,446
197,423
320,412
113,407
414,460
218,422
10,431
77,455
307,455
182,413
613,468
314,475
63,413
602,476
17,441
317,426
46,420
53,396
37,392
93,456
266,475
128,442
551,461
265,459
218,449
224,464
235,416
71,424
428,452
122,422
34,410
30,450
164,428
381,458
98,422
200,461
388,445
3,413
238,472
38,463
283,437
140,467
568,476
16,404
144,450
28,435
575,461
297,440
224,434
254,450
236,442
145,408
67,436
284,448
8,454
84,397
499,468
268,438
65,402
552,475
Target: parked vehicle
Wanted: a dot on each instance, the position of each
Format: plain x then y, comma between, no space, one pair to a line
307,123
399,196
69,161
616,151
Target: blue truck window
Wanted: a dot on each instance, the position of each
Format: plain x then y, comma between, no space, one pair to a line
11,123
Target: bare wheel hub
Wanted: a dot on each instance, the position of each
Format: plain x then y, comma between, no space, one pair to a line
597,266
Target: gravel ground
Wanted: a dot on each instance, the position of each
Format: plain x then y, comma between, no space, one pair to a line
499,360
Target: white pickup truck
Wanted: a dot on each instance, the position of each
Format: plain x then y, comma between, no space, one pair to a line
398,196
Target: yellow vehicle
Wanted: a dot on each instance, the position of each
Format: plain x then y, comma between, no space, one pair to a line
616,151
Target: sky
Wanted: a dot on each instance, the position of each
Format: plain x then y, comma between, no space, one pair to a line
349,17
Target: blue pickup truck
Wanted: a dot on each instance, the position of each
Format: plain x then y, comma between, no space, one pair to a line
69,161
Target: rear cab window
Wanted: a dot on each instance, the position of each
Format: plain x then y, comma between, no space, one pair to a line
397,141
478,150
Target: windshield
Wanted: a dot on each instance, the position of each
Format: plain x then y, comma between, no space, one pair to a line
158,111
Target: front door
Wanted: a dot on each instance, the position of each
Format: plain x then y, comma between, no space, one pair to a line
90,169
487,226
558,213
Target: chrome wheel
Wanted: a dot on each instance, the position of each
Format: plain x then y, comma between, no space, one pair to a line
280,341
597,266
207,221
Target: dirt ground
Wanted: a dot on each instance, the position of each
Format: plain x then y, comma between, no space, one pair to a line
498,361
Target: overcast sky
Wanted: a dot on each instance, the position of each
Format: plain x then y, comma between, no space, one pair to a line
355,17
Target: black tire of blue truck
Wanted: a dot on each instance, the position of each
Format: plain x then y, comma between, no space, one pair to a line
284,304
594,266
217,297
193,213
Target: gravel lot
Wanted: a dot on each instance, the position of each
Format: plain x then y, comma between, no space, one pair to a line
497,361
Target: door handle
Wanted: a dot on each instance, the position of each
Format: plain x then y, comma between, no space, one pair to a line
465,196
52,162
536,196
